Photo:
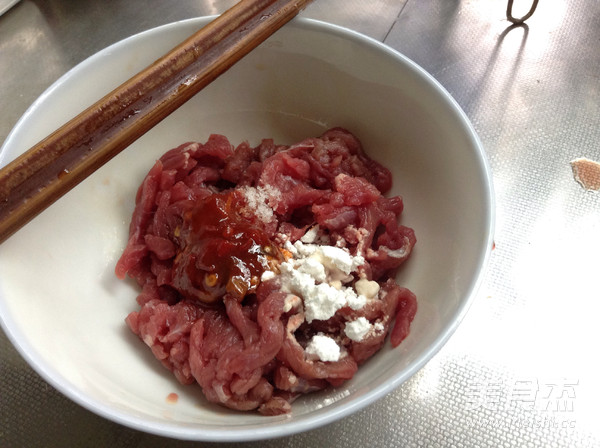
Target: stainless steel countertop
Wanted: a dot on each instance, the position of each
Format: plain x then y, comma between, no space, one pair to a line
521,370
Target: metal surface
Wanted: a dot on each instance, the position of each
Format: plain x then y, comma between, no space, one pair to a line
522,369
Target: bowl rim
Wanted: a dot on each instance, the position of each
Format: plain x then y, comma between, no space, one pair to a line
308,422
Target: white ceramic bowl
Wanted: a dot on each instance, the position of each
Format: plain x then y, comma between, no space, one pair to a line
63,308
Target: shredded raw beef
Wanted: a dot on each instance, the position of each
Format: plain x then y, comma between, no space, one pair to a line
209,211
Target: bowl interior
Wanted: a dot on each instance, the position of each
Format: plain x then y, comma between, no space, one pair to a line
63,308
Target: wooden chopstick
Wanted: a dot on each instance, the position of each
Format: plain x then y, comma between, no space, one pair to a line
44,173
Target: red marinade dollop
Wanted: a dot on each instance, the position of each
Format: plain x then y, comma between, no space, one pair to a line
209,220
224,253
